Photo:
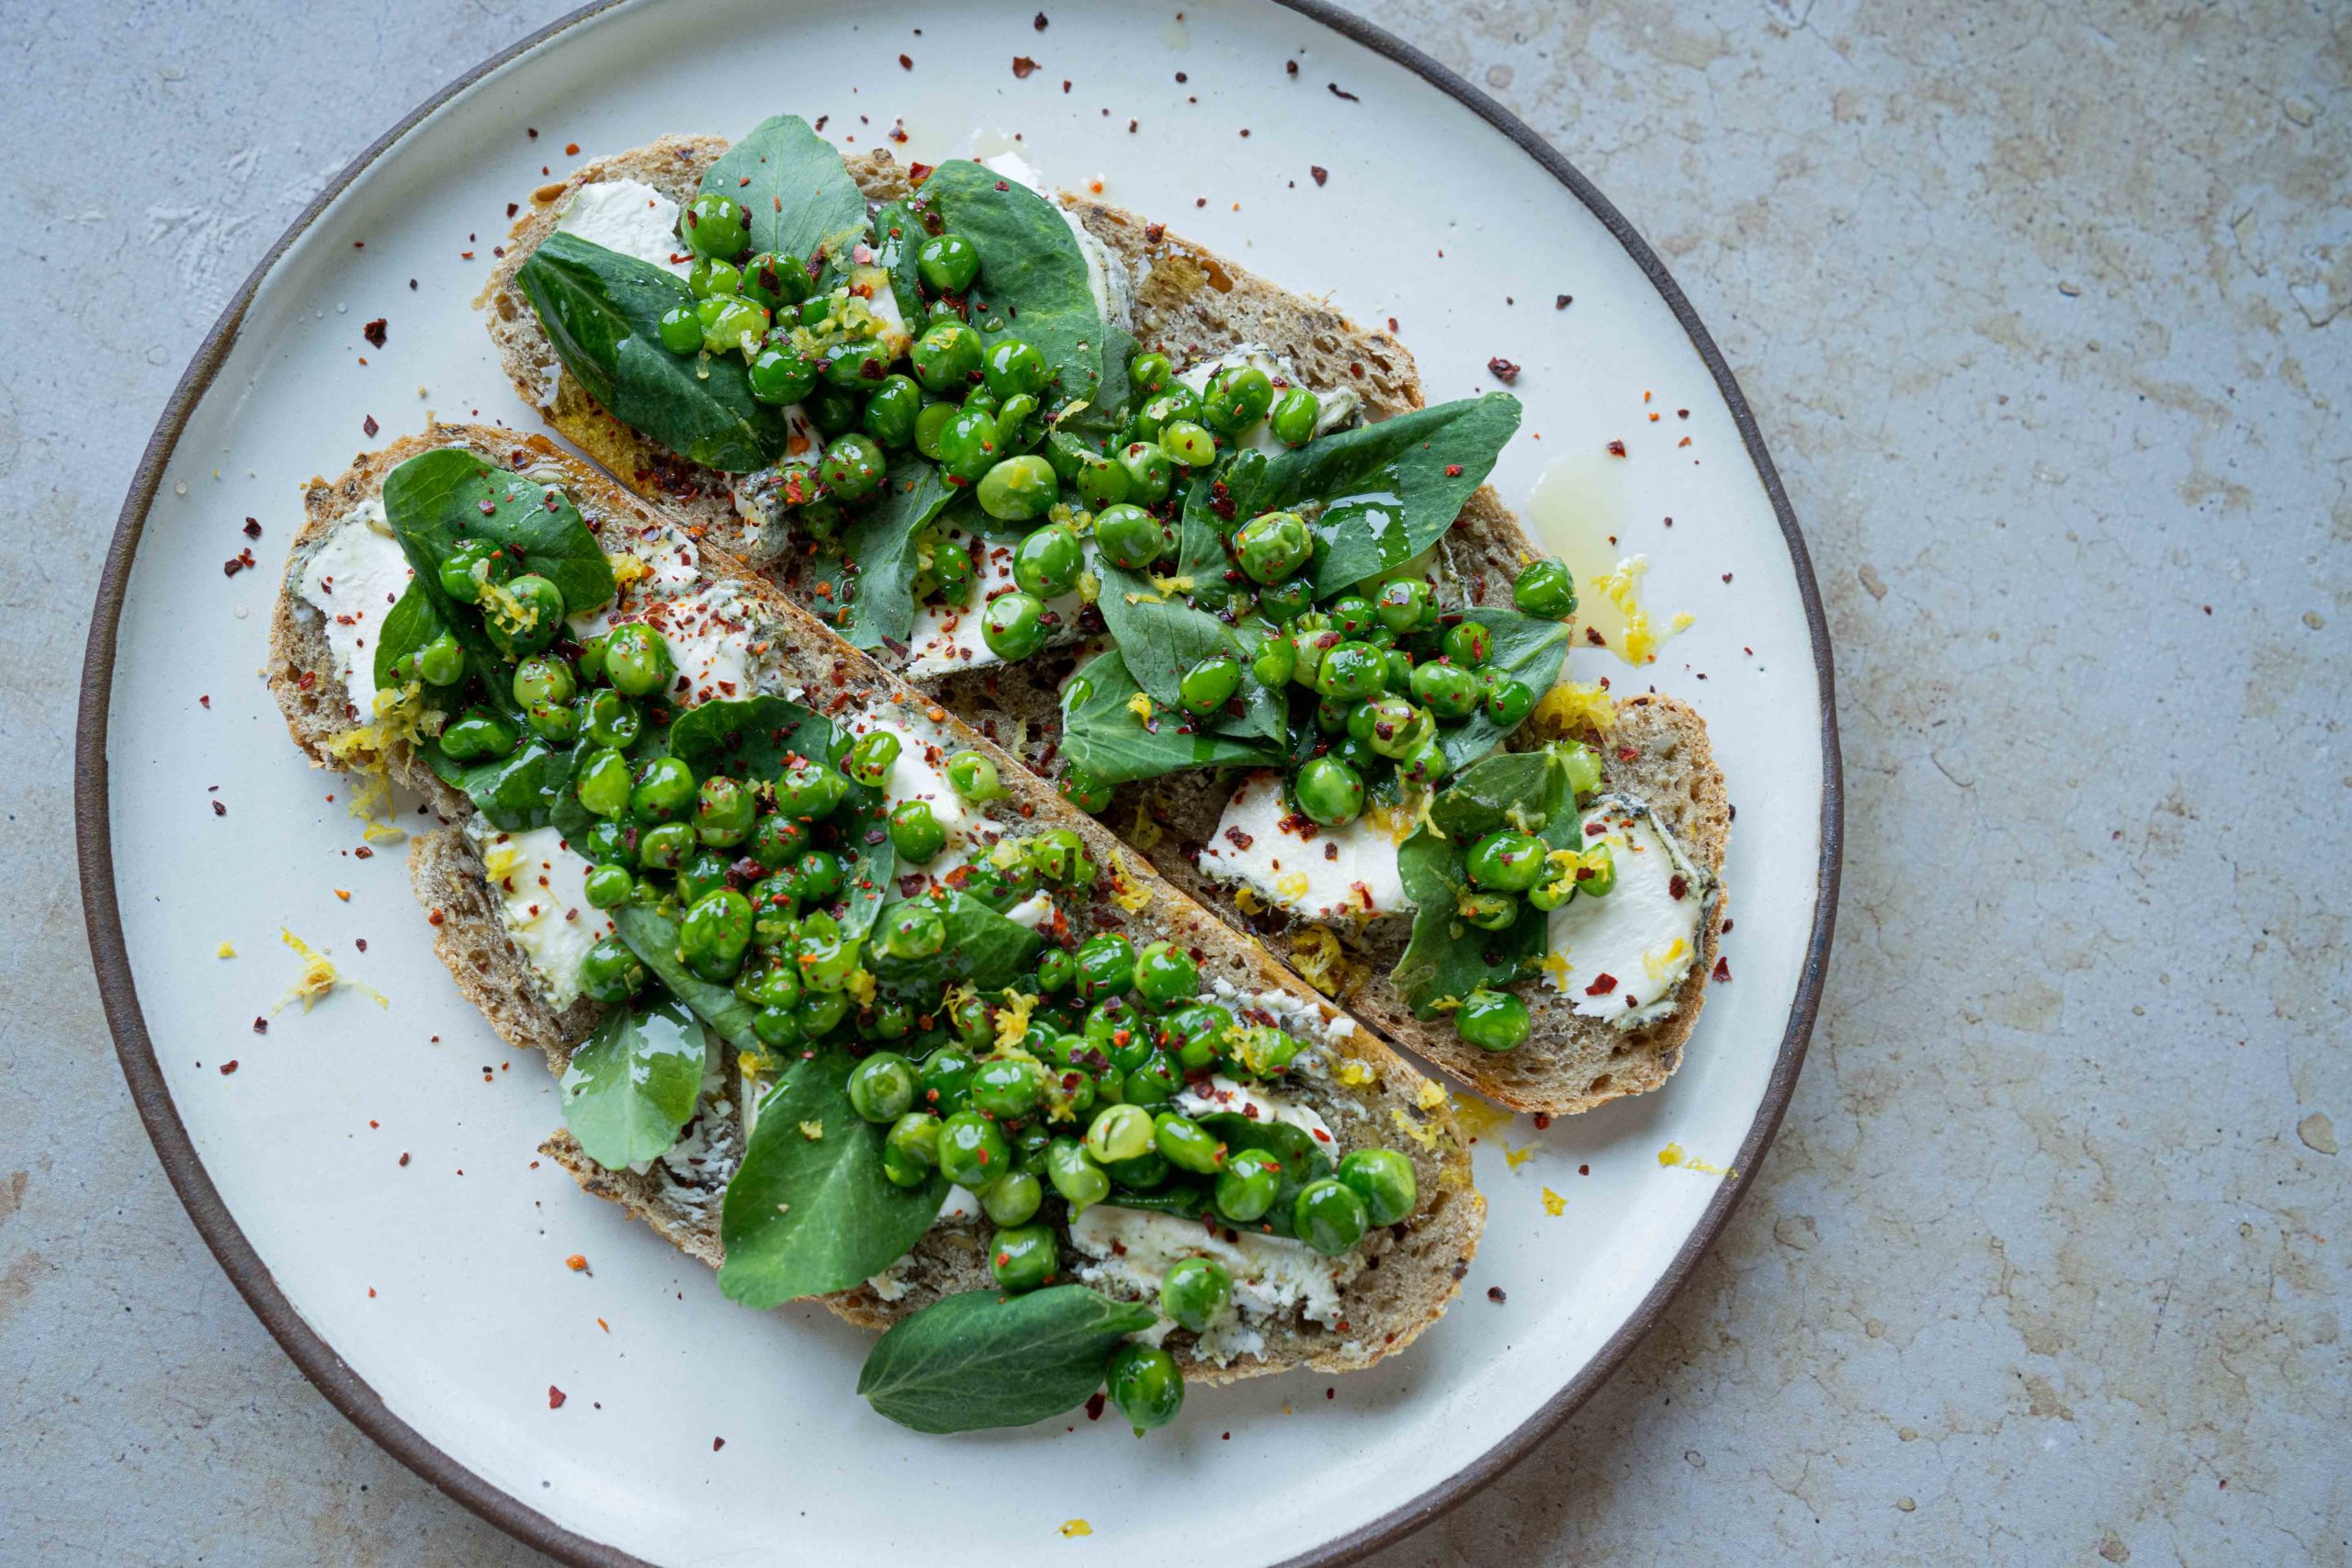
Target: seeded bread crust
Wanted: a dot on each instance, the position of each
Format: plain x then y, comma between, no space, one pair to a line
1422,1260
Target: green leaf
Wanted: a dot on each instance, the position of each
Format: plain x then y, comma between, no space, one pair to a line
749,738
798,195
1160,639
1302,1158
603,312
413,622
895,252
984,1359
518,792
983,950
1033,282
1530,649
1388,490
1104,737
653,937
869,858
1107,412
882,542
631,1089
809,1211
437,499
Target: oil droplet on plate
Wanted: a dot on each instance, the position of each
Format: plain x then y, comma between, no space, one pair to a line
1580,501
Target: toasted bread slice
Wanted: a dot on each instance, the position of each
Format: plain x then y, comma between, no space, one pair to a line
1395,1285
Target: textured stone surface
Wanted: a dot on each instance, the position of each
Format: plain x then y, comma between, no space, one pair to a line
2044,312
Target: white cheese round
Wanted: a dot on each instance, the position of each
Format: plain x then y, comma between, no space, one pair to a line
1622,957
354,577
1315,872
630,218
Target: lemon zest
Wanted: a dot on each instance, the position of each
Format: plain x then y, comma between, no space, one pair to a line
1517,1157
1245,899
1430,1095
1352,1072
1573,708
860,985
1140,705
226,949
1126,891
813,1130
1013,1019
1144,834
1291,886
1316,954
1076,1527
1554,1204
1090,588
319,977
1423,1135
1673,1156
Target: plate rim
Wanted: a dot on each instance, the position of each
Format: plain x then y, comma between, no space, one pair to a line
351,1395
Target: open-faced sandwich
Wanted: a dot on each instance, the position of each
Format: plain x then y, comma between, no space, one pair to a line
1184,539
845,1001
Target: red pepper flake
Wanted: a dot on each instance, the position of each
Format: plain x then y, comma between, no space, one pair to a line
228,1067
1628,754
1022,65
219,809
571,148
1677,886
1454,470
1290,67
369,426
1321,174
252,527
1094,1403
1495,1294
404,1158
576,1263
1601,985
261,1026
555,1397
1503,369
1723,970
1616,448
716,1444
905,63
1340,92
205,701
374,331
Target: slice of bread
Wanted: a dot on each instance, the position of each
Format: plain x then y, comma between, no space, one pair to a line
1403,1277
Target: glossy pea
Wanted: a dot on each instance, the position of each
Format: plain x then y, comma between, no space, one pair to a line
854,466
831,409
947,357
913,1139
1148,372
723,811
946,1082
1330,1217
1509,702
1546,588
1120,1132
972,1150
872,755
1247,1186
1446,690
1098,481
1147,1386
1398,729
609,843
948,263
776,281
1206,686
1165,975
611,719
1075,1175
716,225
1467,643
1014,625
1492,1020
811,791
1352,670
1014,366
714,931
911,931
1487,911
1187,445
1292,416
1186,1145
680,330
882,1087
1017,490
1405,605
1129,537
1106,965
1506,862
607,886
1273,660
636,660
1149,471
606,782
1282,603
1056,971
1272,546
930,423
711,279
610,972
1006,1086
1022,1257
479,735
666,846
1383,1179
665,788
1330,792
818,874
731,324
1048,561
891,411
1014,1199
1238,398
969,444
527,617
915,833
470,566
1196,1292
774,840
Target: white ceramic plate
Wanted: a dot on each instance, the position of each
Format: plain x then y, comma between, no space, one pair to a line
366,1173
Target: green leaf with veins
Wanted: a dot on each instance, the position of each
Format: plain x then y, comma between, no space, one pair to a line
1103,736
898,236
808,1212
1034,277
603,312
1530,649
413,622
984,1359
633,1084
438,498
798,195
882,542
1161,638
983,950
653,937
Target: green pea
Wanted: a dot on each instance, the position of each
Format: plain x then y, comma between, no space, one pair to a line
946,1082
975,778
1106,965
882,1087
779,1027
1247,1186
890,411
974,1021
714,931
826,957
610,972
1273,660
1014,367
1098,481
549,722
612,719
471,566
1468,643
913,1139
911,930
1352,670
831,409
1120,1132
1487,911
1148,372
1509,702
818,877
1583,767
1196,1292
1238,398
1596,875
1147,1172
930,424
1155,1080
1022,1257
891,1021
480,734
717,225
1012,419
947,357
605,783
710,279
948,263
969,444
915,833
1195,1031
1272,546
1353,613
1405,605
665,788
872,756
775,910
820,1012
1056,971
1330,1217
1206,686
809,791
609,843
1006,1086
1129,536
636,660
1446,690
1492,1020
1187,444
1398,729
1014,1199
950,576
1018,488
1383,1179
775,839
723,811
1149,471
1014,625
972,1150
1048,561
1186,1145
680,330
1292,416
1146,1385
776,281
1075,1175
1506,862
731,324
609,887
527,617
1059,855
1285,601
1545,587
1166,974
666,846
1330,792
854,466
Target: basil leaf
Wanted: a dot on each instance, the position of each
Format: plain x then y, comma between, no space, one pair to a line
1528,649
653,938
869,858
1161,638
798,195
897,235
518,792
412,623
809,1211
1388,491
629,1090
749,738
1034,277
984,1359
438,498
603,312
983,950
882,543
1107,412
1104,737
